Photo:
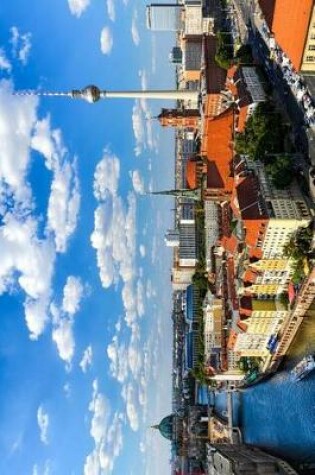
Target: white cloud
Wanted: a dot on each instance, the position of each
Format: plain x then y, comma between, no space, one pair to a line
43,424
111,10
17,119
114,225
5,64
129,395
64,200
141,121
21,45
117,353
62,333
134,29
137,182
72,295
142,250
77,7
106,40
106,430
87,359
106,176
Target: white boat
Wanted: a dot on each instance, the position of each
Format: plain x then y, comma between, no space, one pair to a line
303,368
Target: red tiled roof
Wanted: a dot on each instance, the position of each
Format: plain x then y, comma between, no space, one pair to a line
290,26
217,147
250,276
191,174
230,244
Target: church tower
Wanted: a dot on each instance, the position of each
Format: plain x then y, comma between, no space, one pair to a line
189,118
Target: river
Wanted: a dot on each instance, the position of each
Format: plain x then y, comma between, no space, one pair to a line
279,414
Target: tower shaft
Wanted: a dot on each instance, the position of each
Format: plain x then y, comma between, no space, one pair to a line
176,94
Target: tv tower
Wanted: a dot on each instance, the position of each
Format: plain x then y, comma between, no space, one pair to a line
93,94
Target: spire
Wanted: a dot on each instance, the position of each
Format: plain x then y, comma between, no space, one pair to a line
193,194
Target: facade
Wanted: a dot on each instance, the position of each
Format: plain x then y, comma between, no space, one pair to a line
212,320
236,459
179,118
212,231
164,16
293,24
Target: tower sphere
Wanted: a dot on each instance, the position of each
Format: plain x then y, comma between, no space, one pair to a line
91,94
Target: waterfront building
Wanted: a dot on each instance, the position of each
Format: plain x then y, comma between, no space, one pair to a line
265,317
238,459
293,24
164,16
212,329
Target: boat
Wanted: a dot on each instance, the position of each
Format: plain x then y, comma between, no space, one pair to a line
303,368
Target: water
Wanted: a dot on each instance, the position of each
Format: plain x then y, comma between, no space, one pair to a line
279,414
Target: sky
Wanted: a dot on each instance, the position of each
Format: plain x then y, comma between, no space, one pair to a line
85,333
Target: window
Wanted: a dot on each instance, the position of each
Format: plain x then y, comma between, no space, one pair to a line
310,59
311,48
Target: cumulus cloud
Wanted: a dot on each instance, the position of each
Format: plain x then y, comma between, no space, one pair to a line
137,182
141,123
129,395
64,199
21,45
63,321
106,40
16,114
72,295
111,10
134,29
77,7
106,431
142,250
5,64
114,225
27,256
43,424
87,359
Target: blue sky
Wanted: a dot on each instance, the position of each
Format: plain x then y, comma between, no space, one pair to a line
85,334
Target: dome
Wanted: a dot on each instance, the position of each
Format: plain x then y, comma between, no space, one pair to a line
166,427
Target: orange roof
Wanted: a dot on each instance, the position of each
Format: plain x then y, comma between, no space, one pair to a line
191,174
290,25
217,147
230,244
250,276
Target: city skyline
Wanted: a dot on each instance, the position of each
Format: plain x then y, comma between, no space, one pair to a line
79,360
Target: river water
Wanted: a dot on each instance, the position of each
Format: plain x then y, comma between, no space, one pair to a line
279,414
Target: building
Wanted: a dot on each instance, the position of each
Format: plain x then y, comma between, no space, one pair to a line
164,16
192,57
270,216
195,22
213,335
293,24
236,459
186,118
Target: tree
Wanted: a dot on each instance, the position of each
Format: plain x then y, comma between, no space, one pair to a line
280,171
